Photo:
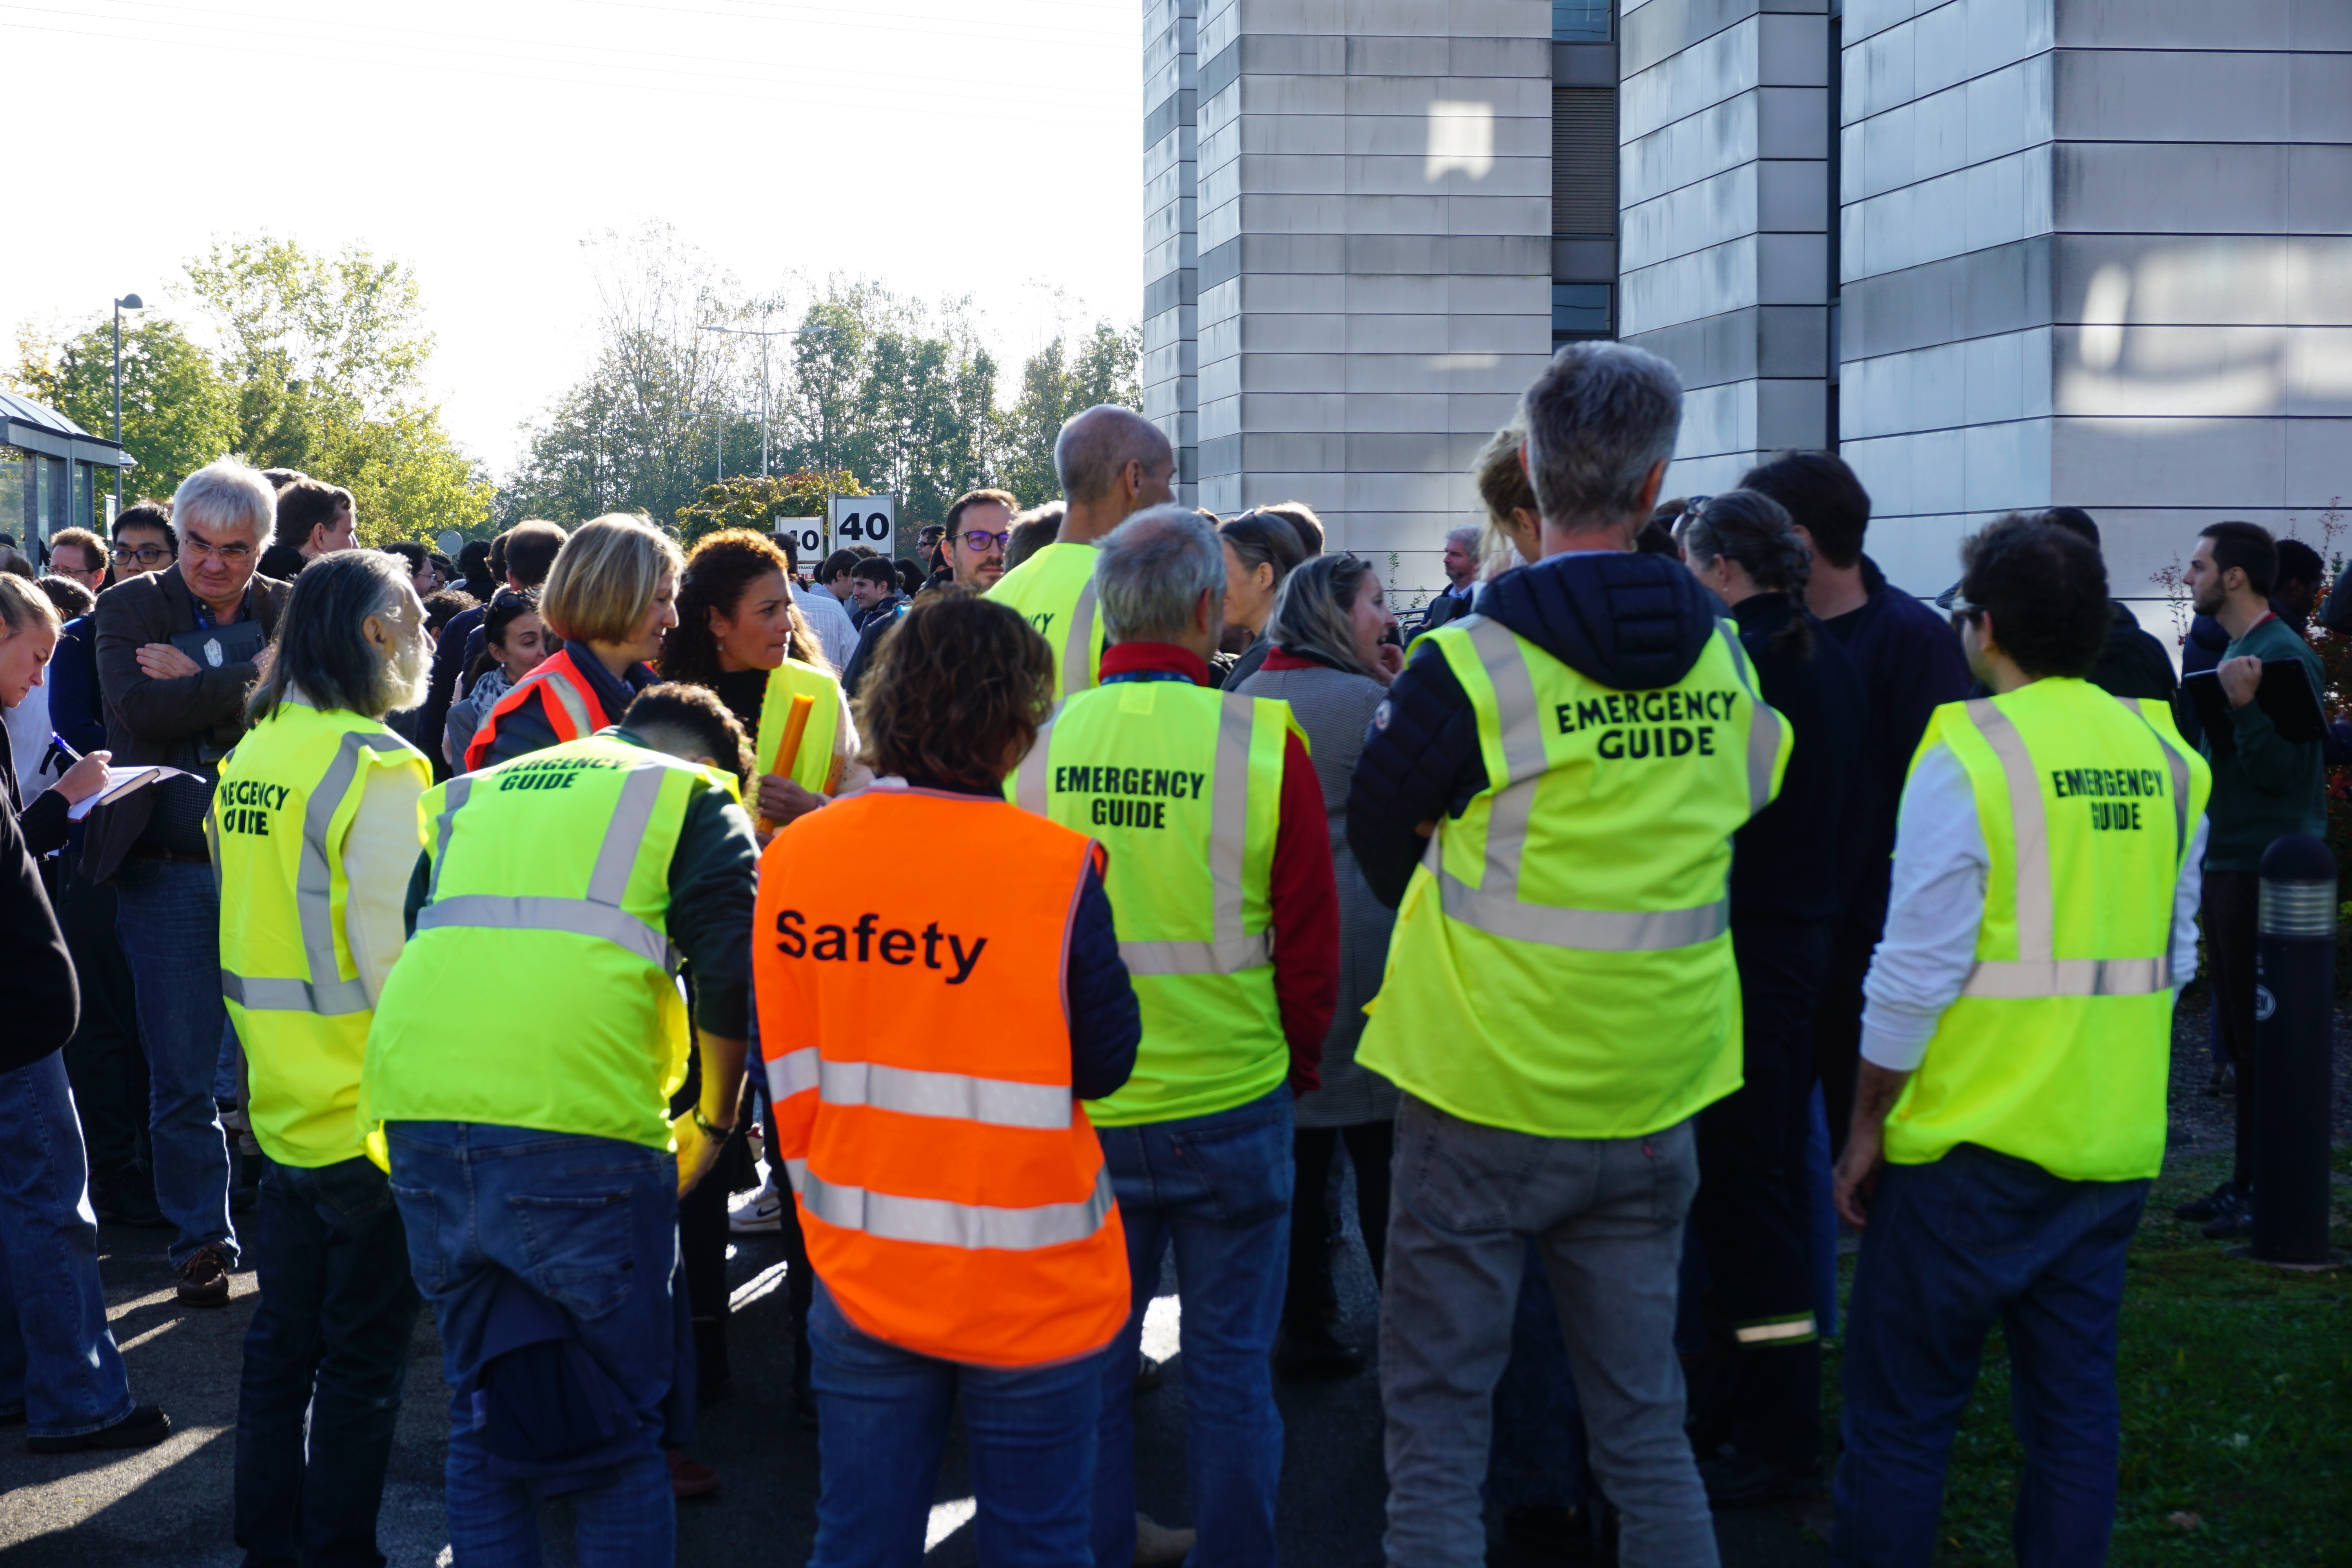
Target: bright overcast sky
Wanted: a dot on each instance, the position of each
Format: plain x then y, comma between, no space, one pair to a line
936,146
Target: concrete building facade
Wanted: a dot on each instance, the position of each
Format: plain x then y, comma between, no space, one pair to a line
2000,254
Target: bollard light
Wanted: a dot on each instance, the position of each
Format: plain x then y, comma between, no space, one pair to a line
2294,998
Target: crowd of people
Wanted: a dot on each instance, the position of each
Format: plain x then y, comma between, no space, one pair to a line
1674,857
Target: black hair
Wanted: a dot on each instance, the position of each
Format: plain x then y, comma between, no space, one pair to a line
409,551
507,606
531,549
1265,538
783,539
2073,519
1823,497
842,560
321,644
305,505
2298,563
1654,539
1752,529
2046,590
691,715
445,605
2247,546
910,577
155,514
474,560
875,569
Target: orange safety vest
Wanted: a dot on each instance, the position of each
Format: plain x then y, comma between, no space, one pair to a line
950,1187
571,707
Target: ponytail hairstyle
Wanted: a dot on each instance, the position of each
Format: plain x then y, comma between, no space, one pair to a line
508,606
1753,529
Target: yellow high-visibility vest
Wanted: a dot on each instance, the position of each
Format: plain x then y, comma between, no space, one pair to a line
1055,590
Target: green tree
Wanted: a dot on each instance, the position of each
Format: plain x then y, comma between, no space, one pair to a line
326,358
1059,380
178,412
754,501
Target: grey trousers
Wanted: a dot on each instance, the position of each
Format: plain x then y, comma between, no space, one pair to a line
1607,1214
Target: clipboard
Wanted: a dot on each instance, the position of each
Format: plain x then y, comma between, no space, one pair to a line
216,648
2286,694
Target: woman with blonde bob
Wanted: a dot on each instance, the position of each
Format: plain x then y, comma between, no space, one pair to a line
612,598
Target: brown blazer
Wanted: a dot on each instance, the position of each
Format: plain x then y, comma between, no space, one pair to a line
166,721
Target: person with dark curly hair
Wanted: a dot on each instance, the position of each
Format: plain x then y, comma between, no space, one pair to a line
740,633
1757,1393
930,1043
2011,1110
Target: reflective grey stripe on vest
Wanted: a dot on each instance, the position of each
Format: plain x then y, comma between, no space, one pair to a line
2035,971
955,1096
453,796
938,1223
1763,724
1495,906
314,900
561,688
1077,654
1232,950
599,914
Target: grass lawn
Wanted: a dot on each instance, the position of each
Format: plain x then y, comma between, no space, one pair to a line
2237,1406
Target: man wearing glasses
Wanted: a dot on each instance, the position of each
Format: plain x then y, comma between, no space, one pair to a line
167,705
979,525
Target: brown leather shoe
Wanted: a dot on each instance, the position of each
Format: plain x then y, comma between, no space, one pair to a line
689,1479
204,1278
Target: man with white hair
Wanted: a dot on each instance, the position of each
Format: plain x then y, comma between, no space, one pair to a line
1229,923
177,651
1461,578
315,828
1561,999
1113,463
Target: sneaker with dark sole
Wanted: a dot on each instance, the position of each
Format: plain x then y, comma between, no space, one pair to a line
1737,1480
203,1278
2212,1206
145,1426
2235,1225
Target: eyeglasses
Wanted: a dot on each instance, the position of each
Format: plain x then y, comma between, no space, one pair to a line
980,539
145,554
235,554
1963,612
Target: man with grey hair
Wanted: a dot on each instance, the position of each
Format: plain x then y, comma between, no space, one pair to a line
1113,463
1461,578
177,651
1229,923
320,798
1549,790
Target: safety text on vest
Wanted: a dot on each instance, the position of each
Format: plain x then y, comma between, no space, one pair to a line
833,944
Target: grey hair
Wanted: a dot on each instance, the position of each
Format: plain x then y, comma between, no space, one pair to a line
1152,569
227,494
323,649
1599,418
1311,610
1467,535
1098,442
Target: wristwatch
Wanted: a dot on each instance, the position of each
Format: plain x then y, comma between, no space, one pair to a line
711,1129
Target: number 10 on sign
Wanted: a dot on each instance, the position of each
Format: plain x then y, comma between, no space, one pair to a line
870,520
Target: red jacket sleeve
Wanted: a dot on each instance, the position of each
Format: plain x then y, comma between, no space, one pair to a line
1305,918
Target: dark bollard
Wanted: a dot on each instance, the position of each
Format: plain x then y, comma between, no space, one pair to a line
2294,1001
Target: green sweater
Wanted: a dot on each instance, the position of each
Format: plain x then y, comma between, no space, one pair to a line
2264,786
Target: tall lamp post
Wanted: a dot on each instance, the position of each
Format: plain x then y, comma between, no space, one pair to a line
128,302
763,336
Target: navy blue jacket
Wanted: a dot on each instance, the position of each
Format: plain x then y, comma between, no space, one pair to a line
1911,664
1634,623
75,710
1795,859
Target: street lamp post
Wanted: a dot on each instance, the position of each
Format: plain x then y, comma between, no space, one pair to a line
763,336
128,302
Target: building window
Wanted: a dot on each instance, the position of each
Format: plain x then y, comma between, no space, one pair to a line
14,466
1583,160
1580,311
1580,21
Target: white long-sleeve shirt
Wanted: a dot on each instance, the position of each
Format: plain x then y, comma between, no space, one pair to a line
831,623
1936,907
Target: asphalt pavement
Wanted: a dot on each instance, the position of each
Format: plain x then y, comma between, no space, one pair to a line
169,1507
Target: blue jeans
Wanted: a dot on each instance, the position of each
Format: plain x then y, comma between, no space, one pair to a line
1218,1187
591,1224
328,1349
886,1416
1953,1246
57,1360
1607,1214
168,915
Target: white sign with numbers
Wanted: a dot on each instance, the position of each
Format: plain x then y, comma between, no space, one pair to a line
870,520
807,535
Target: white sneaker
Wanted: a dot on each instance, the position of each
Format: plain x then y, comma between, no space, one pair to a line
761,1214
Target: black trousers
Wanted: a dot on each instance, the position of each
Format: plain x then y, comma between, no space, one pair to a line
105,1062
1370,1147
1836,1026
2231,908
1752,1216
